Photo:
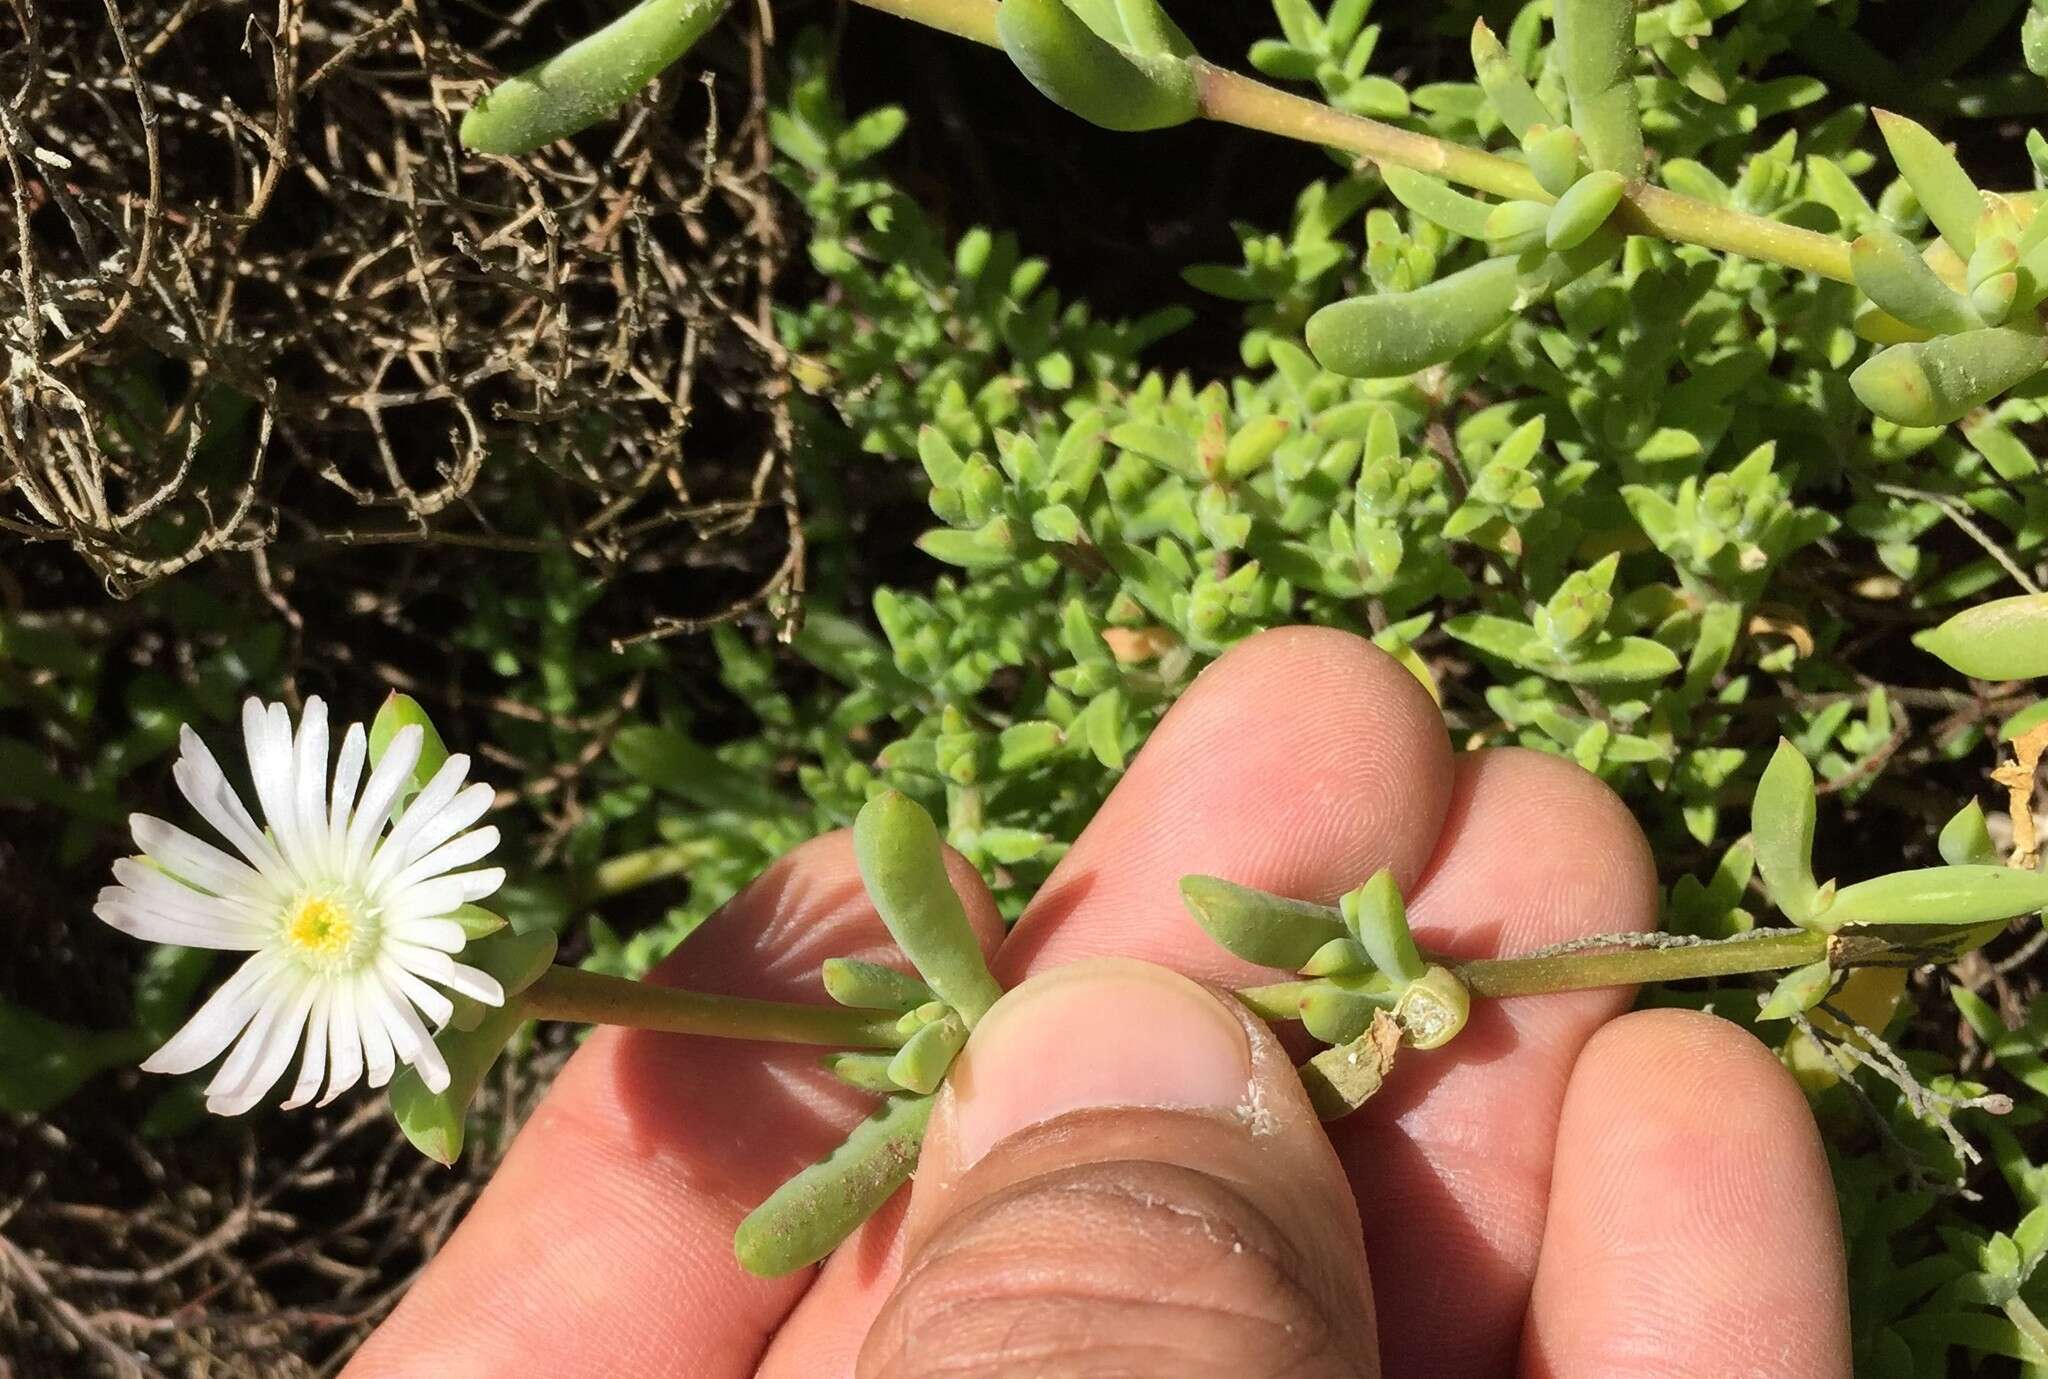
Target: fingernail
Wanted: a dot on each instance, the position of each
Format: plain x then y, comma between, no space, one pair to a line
1107,1032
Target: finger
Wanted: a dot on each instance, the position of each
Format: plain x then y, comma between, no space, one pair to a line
1301,762
1692,1221
1452,1161
1124,1177
613,1213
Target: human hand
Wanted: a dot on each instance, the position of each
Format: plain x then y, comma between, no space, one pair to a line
1564,1190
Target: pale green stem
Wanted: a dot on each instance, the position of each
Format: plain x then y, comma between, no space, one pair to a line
591,998
568,993
2022,1316
1544,973
1233,98
1539,974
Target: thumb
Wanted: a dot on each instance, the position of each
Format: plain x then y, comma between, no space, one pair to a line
1123,1176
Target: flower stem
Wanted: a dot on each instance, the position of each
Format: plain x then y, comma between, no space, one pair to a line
1537,974
569,993
1768,950
2029,1325
1233,98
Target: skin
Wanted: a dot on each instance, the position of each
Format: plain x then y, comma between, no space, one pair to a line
1567,1190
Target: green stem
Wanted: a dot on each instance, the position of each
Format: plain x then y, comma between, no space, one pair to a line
1772,951
2022,1316
569,993
1233,98
1538,974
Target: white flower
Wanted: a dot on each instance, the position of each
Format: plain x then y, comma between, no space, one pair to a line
349,925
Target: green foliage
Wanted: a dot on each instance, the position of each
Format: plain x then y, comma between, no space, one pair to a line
590,80
1621,505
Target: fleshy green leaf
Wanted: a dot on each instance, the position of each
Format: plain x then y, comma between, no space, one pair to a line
1801,989
1939,183
1583,209
1390,334
903,865
1935,382
1940,896
1507,90
1892,274
401,711
921,1064
871,986
477,922
1437,201
2006,639
867,1071
1781,826
435,1122
1556,156
1086,73
1596,47
807,1217
1334,1015
1378,919
588,81
516,960
1266,929
1966,839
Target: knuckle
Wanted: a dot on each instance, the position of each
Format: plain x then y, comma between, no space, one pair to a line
1121,1268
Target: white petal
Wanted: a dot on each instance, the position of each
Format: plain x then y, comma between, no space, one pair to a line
410,1039
435,1006
425,827
348,774
396,849
154,888
268,731
462,811
377,1052
443,934
216,1023
199,923
195,860
387,783
472,846
272,1057
199,776
314,1065
309,782
272,1000
444,895
344,1041
436,966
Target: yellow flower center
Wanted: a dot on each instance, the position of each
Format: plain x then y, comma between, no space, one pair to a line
321,928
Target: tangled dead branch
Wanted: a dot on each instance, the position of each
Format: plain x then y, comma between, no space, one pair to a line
257,297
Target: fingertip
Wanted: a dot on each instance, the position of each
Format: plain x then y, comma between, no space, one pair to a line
809,904
1534,849
1301,762
1691,1195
